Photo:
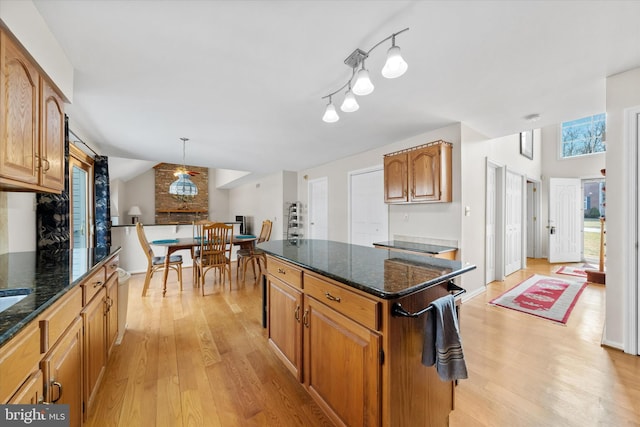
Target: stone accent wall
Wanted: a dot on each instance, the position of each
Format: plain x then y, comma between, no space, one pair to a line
169,210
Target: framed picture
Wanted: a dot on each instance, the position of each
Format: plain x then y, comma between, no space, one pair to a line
526,144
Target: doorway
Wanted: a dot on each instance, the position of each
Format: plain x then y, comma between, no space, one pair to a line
593,194
369,215
80,198
318,209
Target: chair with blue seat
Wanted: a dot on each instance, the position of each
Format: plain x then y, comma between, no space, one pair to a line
254,256
157,263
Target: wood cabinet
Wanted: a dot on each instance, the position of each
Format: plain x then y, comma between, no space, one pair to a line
419,175
396,178
342,365
337,357
285,324
284,284
62,372
60,356
360,363
31,124
31,392
95,352
111,310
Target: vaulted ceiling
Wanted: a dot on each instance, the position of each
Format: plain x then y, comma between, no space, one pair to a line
244,79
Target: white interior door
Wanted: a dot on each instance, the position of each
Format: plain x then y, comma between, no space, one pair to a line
565,220
513,222
318,209
369,213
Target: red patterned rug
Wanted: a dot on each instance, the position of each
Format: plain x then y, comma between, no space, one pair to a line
543,296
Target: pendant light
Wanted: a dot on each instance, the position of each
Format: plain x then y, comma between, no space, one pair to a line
363,84
395,65
350,104
330,114
183,189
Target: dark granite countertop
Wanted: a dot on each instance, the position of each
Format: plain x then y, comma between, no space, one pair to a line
44,277
415,247
386,274
171,224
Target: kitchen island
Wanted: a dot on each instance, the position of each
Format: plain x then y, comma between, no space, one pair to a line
334,320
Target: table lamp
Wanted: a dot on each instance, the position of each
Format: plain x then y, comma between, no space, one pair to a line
135,214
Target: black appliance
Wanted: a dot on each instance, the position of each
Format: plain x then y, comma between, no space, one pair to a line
243,224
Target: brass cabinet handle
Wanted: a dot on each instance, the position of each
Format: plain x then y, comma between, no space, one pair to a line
97,284
296,313
46,168
305,318
57,384
331,297
282,271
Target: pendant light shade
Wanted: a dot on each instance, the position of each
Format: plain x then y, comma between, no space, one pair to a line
350,104
183,188
330,114
395,65
363,84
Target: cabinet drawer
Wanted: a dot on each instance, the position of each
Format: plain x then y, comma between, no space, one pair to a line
284,271
59,317
18,359
92,285
112,265
357,307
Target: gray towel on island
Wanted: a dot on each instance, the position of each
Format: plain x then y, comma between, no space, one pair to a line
442,345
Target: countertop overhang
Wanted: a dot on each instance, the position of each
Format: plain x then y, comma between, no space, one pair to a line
44,276
386,274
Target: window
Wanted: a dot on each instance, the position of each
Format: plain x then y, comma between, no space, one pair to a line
583,136
81,197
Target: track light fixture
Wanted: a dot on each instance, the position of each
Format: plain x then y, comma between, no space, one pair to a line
395,66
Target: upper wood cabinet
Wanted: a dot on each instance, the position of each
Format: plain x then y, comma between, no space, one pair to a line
31,124
419,175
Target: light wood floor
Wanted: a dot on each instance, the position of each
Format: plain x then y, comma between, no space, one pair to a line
189,360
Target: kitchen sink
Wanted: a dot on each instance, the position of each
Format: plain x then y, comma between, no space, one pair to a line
9,297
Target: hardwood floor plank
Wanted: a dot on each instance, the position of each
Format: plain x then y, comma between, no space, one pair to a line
188,360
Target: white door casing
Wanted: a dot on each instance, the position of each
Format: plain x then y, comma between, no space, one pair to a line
631,262
490,227
318,209
369,215
565,220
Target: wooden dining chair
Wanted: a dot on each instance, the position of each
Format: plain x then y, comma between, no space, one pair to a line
157,263
195,251
215,251
255,255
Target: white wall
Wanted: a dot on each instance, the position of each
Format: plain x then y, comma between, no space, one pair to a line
623,91
140,191
476,149
423,220
263,199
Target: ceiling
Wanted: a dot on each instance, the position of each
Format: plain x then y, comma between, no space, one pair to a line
244,79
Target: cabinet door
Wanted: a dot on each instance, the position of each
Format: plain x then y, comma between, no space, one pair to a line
19,90
342,365
52,140
424,174
112,312
95,352
31,392
284,324
395,178
62,368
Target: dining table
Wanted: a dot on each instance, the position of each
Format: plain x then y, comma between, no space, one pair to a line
244,241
